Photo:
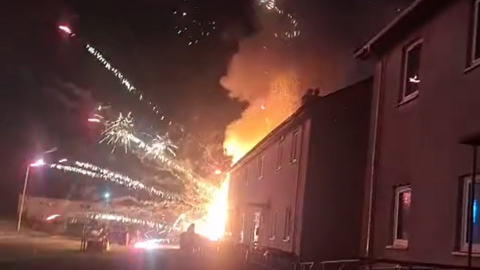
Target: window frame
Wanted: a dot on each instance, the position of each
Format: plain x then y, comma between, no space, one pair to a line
287,230
464,218
403,97
273,225
398,191
242,232
261,166
280,152
294,149
473,60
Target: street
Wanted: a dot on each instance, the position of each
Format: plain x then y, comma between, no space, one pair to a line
40,251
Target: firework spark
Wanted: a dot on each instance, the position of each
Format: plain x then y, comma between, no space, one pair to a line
293,31
119,132
158,146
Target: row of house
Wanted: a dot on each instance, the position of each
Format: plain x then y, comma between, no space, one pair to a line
382,168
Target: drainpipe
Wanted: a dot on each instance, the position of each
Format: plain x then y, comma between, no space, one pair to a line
299,174
373,162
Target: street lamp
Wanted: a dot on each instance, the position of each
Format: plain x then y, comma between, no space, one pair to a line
106,195
38,163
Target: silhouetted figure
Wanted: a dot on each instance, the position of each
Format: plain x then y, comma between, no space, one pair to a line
309,95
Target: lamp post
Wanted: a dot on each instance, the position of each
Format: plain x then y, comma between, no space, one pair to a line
38,163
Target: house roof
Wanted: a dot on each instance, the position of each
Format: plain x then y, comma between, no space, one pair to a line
410,18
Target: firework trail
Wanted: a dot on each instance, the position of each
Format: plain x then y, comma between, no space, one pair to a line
124,81
93,171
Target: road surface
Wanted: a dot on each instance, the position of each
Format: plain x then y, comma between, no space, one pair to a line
32,251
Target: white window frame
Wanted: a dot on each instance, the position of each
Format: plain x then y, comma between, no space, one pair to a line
408,49
465,195
476,6
261,166
280,153
294,150
273,225
398,191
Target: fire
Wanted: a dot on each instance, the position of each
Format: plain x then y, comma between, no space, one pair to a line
213,224
262,116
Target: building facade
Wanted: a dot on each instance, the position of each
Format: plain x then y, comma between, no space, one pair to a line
425,101
300,189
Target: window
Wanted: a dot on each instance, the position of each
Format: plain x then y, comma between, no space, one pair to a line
403,198
256,227
280,154
411,71
242,232
293,154
288,224
273,229
475,217
475,49
261,160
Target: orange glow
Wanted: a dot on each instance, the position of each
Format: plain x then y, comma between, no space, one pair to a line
212,226
263,115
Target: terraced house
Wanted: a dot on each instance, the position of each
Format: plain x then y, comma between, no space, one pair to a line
420,203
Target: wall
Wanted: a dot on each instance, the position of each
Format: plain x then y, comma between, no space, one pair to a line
418,141
274,192
336,169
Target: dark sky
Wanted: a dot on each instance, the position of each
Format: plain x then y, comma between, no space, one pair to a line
140,37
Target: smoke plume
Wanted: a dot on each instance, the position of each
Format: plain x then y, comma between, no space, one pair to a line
261,74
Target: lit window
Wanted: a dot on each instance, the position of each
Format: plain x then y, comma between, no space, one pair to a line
256,227
475,213
273,229
280,154
287,224
411,71
475,49
261,160
293,153
403,198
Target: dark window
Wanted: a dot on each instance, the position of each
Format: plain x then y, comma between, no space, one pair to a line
411,77
475,53
293,153
403,197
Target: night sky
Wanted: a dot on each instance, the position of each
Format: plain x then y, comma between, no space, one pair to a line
50,84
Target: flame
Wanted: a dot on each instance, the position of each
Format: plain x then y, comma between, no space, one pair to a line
212,226
263,115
